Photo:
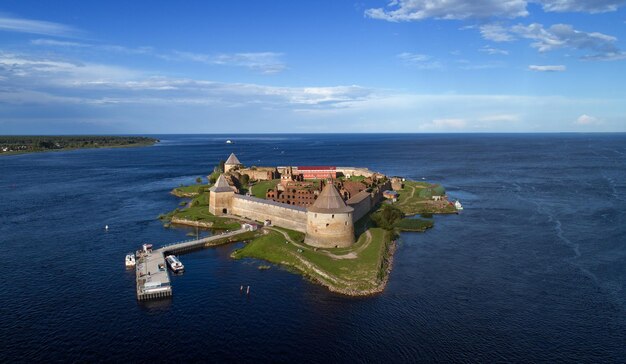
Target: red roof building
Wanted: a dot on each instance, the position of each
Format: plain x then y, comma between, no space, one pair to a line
318,172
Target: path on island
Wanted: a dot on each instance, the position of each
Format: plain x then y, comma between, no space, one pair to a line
351,255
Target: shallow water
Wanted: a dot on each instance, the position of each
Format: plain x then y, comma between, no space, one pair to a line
532,270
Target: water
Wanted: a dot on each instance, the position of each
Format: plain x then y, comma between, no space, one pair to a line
532,270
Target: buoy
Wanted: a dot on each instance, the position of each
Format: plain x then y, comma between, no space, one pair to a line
106,227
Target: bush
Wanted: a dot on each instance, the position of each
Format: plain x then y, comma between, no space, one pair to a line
387,217
199,180
245,179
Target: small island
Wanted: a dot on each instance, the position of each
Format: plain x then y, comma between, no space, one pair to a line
10,145
337,226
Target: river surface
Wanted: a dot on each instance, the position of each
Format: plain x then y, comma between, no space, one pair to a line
533,270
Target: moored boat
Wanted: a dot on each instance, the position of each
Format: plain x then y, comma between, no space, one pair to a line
175,265
130,260
458,205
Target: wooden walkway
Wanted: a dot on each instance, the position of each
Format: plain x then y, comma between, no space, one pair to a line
151,273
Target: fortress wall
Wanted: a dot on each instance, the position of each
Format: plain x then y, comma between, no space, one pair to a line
361,203
353,171
260,210
261,174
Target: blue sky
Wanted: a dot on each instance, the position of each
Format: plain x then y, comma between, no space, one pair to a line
323,66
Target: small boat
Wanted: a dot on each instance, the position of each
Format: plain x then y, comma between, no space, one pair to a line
458,205
130,260
175,265
229,141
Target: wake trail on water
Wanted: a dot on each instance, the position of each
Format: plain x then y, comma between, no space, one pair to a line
558,229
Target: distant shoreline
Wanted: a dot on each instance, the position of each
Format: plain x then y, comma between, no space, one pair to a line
16,145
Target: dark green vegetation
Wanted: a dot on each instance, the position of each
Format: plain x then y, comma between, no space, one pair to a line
391,218
30,144
358,270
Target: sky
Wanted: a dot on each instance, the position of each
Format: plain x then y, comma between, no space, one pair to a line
283,66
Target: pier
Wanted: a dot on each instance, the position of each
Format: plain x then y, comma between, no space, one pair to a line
151,271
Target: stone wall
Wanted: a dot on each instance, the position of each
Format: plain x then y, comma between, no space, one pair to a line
290,217
361,203
354,171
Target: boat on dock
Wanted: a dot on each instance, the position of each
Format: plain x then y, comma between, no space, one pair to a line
130,260
458,205
175,265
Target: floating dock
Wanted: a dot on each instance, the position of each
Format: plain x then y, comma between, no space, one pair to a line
151,273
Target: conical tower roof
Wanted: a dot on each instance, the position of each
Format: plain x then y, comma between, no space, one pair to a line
232,159
221,185
329,201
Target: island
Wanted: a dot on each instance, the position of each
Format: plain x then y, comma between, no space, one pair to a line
337,226
10,145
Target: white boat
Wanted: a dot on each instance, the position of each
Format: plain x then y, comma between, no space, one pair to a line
175,265
130,260
458,205
229,141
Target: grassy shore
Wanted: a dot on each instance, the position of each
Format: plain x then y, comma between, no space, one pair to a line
361,269
190,191
416,198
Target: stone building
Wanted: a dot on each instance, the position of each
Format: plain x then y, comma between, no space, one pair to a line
232,163
329,220
220,196
317,172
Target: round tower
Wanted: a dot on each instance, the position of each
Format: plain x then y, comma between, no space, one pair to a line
329,221
220,197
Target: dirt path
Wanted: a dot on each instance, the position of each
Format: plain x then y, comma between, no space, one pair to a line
350,255
410,197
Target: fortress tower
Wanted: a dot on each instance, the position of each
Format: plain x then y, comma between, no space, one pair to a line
329,220
232,162
220,196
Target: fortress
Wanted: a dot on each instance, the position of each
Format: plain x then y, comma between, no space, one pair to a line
328,222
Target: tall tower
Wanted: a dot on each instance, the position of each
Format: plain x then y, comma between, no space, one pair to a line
231,162
329,220
220,197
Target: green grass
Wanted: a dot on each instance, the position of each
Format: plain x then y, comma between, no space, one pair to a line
260,188
362,274
191,190
413,225
415,198
202,214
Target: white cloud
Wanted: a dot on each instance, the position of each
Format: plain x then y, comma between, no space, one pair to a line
494,51
14,24
585,119
496,33
499,118
98,83
420,61
547,68
565,36
264,62
558,36
588,6
410,10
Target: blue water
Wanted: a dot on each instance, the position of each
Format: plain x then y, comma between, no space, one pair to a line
533,270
